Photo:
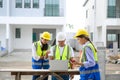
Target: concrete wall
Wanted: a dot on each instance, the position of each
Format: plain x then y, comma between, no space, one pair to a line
101,12
2,35
25,42
62,7
97,20
26,19
90,16
3,10
33,20
11,39
28,12
31,12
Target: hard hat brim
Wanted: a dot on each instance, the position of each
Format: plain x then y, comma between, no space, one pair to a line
75,36
61,40
46,38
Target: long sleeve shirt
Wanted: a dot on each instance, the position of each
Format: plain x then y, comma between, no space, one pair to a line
34,54
89,55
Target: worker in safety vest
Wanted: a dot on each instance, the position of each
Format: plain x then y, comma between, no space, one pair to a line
89,69
61,51
40,51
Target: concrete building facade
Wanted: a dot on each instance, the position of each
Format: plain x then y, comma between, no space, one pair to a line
103,21
22,21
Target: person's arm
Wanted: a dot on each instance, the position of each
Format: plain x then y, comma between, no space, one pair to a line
34,54
51,54
71,57
90,58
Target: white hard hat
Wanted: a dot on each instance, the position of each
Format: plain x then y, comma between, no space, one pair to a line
61,36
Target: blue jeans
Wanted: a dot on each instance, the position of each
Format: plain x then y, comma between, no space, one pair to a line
65,77
34,66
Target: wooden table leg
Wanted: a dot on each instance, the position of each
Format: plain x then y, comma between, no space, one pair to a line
57,76
18,76
44,76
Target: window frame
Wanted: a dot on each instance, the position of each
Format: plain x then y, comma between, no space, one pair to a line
111,37
1,6
35,3
19,4
17,33
50,9
26,3
112,11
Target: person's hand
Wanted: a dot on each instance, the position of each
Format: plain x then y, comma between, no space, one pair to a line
75,62
46,56
48,52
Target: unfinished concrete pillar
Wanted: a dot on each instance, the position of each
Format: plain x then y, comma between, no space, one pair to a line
101,60
115,47
0,45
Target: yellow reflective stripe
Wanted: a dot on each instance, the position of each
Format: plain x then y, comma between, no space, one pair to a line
89,71
94,53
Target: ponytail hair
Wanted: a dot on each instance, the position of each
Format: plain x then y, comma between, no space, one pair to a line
87,38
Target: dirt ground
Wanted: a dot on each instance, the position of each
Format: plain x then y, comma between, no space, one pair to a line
17,60
22,60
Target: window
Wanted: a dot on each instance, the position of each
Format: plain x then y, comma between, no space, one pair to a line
27,3
18,4
35,3
17,33
1,3
111,37
51,8
113,9
111,2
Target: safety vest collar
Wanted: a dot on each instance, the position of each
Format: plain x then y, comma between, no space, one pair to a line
65,53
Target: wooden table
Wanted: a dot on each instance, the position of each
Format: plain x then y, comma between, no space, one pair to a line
45,73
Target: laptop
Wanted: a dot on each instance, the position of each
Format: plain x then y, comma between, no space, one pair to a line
58,65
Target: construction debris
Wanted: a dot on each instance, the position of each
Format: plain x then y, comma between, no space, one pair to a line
113,59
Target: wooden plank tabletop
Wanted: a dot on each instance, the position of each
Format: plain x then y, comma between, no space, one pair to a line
36,70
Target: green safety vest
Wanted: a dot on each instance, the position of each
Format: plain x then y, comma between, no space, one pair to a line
65,53
93,50
39,50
